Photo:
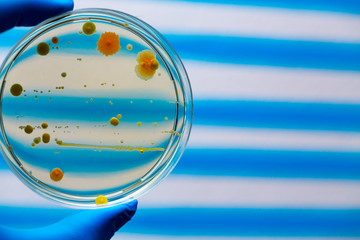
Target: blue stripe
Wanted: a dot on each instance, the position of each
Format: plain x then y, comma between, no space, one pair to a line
3,165
99,110
284,115
253,51
246,222
212,221
270,163
240,113
347,6
11,37
23,217
269,52
266,163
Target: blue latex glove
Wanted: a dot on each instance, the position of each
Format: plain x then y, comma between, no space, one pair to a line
97,224
30,12
87,225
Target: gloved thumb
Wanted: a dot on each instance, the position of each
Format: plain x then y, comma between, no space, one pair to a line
97,224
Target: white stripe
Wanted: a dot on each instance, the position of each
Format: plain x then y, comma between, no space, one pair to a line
219,191
280,139
228,81
238,82
15,193
222,191
204,18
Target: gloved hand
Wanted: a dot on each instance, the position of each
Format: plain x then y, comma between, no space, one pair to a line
30,12
89,224
97,224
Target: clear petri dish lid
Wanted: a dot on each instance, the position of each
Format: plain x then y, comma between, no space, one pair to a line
96,108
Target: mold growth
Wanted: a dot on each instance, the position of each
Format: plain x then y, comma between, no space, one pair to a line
28,129
109,43
16,90
89,28
46,138
117,148
56,174
114,121
55,40
100,200
43,49
147,64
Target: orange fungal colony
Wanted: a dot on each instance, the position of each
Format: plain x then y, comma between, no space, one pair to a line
56,174
147,64
109,43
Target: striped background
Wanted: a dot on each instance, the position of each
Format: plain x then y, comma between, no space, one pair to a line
275,147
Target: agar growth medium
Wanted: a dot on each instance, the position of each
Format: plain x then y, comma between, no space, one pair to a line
92,109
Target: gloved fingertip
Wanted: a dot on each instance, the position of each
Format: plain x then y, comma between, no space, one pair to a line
133,205
129,210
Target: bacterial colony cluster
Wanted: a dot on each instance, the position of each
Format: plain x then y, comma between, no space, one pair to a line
45,132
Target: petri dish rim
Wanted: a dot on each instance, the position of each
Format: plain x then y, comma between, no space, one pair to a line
176,145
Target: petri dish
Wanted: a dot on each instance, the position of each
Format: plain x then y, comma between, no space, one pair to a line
96,108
